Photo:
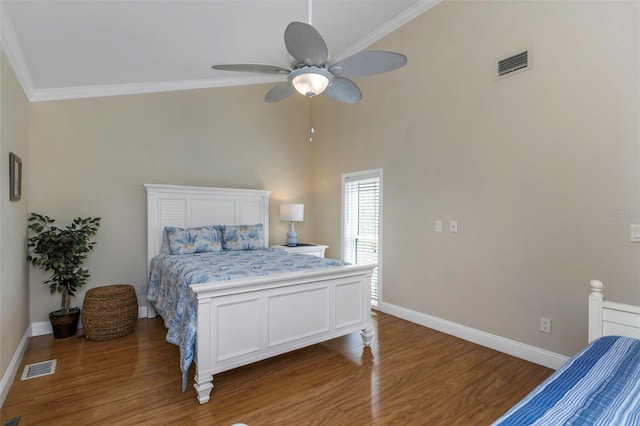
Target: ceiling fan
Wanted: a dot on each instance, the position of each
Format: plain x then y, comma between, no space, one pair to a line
312,74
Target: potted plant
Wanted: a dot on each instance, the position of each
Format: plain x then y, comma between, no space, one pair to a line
62,251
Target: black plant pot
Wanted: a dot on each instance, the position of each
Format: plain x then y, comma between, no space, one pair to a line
64,324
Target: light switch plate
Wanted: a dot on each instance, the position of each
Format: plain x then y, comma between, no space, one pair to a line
635,233
453,226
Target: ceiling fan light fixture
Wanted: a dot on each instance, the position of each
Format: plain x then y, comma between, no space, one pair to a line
310,81
312,74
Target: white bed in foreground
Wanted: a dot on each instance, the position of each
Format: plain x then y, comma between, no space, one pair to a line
247,320
600,385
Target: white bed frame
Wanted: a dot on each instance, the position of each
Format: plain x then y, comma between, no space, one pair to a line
611,318
247,320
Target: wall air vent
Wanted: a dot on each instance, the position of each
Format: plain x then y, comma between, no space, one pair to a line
514,64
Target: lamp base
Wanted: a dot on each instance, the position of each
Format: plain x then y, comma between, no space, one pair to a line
292,238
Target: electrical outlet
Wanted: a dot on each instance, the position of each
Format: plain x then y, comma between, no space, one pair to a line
438,226
453,226
545,325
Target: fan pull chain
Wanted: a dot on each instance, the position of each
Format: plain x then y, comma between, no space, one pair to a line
311,129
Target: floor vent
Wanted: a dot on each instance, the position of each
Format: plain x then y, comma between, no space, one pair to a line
514,63
39,369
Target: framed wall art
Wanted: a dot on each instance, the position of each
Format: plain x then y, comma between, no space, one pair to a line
15,177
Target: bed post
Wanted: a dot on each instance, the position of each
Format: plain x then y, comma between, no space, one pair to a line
152,237
367,332
203,380
595,310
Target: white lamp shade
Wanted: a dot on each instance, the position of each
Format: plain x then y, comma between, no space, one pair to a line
292,212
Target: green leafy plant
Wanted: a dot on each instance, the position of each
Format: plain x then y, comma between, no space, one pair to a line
62,251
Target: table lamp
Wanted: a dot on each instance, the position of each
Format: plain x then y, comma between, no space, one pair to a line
292,213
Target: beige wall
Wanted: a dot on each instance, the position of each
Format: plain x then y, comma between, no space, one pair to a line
91,157
531,166
14,294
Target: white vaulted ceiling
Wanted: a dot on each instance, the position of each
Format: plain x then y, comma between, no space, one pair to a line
64,49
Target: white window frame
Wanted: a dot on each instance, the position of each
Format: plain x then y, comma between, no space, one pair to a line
365,174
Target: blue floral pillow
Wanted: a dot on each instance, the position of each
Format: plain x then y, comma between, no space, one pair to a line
243,237
194,240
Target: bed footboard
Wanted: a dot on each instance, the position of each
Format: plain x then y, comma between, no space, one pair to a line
249,320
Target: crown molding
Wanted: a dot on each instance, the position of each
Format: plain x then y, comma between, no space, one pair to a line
82,92
387,28
10,45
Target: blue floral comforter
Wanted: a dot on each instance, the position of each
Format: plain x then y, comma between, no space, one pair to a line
171,275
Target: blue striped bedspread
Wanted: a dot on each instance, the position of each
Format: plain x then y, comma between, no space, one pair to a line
170,277
598,386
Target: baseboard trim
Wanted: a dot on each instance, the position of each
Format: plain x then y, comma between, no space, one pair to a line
44,327
511,347
12,369
41,328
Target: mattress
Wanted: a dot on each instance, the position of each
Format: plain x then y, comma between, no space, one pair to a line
598,386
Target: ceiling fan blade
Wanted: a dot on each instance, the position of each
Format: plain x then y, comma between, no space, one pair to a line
305,44
264,69
343,90
368,62
279,92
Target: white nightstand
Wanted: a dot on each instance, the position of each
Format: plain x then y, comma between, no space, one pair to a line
310,249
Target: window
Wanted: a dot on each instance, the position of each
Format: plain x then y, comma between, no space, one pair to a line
361,222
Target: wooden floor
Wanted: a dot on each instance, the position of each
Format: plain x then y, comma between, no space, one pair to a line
410,375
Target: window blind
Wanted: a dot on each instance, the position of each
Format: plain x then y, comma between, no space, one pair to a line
362,222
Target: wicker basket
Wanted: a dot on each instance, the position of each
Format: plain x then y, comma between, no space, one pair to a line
109,312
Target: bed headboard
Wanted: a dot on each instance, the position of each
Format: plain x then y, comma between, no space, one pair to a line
611,318
189,206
